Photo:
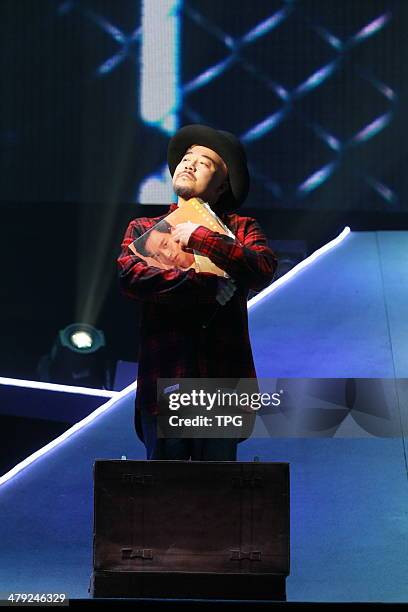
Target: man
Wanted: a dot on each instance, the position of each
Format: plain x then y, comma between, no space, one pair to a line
195,325
160,245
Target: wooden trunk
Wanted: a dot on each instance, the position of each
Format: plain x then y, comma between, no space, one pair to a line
191,529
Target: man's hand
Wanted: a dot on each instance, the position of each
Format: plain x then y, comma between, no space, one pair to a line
183,231
226,289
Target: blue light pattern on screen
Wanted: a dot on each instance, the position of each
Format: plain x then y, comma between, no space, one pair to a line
289,98
166,100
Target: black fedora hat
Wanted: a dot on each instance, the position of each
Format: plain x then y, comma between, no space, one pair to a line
227,146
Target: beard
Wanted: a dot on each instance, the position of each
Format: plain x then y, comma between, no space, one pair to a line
184,191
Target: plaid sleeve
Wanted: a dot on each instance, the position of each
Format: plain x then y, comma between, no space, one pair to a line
143,282
252,263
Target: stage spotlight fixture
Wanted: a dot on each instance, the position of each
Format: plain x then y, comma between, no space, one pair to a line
78,357
81,339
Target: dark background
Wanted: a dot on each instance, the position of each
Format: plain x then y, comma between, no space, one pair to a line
74,149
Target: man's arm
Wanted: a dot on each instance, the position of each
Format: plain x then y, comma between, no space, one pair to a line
253,263
143,282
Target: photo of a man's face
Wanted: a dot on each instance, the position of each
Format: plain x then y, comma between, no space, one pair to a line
166,250
159,245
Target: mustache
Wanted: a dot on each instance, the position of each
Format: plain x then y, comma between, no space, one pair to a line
188,174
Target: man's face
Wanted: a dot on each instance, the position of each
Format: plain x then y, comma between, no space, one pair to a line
167,251
201,173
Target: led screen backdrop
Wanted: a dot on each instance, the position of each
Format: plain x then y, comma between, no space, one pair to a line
93,89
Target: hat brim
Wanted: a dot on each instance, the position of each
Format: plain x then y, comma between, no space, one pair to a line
227,146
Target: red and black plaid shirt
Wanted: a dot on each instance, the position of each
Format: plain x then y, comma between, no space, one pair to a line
177,304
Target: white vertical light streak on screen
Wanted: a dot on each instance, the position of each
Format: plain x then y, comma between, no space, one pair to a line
159,66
